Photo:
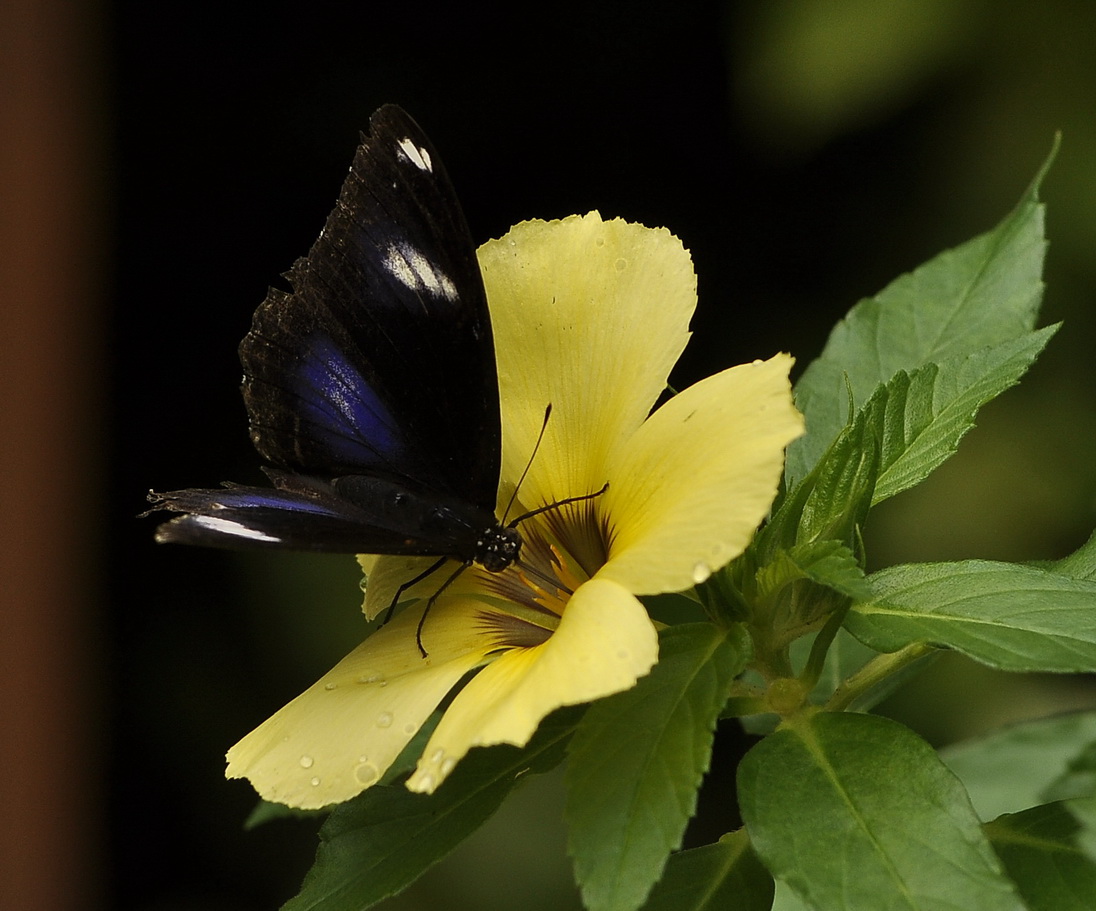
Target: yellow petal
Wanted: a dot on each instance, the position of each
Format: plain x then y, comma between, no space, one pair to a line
340,735
590,316
690,487
604,643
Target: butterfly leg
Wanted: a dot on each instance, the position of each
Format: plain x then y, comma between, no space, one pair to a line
429,571
434,597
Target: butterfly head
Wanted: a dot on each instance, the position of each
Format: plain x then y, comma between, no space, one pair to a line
497,548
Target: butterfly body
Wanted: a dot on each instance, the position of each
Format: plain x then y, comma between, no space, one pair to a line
371,386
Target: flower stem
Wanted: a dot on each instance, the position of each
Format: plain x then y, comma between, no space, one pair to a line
874,672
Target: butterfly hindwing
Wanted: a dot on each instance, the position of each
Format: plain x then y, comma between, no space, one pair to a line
381,359
353,514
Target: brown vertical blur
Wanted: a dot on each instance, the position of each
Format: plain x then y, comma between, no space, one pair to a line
51,165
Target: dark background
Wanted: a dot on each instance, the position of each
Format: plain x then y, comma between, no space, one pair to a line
805,153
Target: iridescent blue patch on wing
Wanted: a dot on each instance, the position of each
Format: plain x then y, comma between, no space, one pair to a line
345,412
261,498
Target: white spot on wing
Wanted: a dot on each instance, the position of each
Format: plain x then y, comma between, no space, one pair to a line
237,529
408,266
420,158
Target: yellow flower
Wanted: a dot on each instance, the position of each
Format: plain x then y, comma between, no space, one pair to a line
589,316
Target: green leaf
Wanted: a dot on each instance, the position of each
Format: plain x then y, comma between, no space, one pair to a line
1012,617
1039,850
726,876
976,296
928,412
265,812
637,760
857,812
380,842
1081,564
1014,768
830,503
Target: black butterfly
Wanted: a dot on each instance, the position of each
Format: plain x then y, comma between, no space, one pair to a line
371,388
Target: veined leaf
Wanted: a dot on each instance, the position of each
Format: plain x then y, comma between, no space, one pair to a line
637,760
1008,616
726,876
1013,769
1040,852
857,812
976,296
928,412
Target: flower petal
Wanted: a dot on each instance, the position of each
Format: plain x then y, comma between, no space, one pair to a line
690,487
589,316
604,643
339,736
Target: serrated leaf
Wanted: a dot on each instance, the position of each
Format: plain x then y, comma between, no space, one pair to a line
1039,850
1014,768
380,842
1008,616
929,411
830,503
637,760
726,876
977,295
857,812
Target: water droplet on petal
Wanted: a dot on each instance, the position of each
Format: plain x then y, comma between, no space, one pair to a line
330,686
409,729
448,765
315,782
427,783
384,720
366,773
306,762
621,264
437,756
701,572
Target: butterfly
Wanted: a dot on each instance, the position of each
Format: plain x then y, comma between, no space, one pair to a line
371,386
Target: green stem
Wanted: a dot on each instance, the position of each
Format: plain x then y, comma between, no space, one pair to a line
875,671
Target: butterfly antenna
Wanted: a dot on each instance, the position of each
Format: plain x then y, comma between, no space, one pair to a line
557,504
529,464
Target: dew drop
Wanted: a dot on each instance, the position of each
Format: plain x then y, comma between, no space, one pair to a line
409,729
382,683
315,782
306,762
621,264
427,783
384,720
448,765
701,572
437,756
366,773
330,686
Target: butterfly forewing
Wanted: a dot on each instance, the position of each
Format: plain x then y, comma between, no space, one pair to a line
371,384
381,358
